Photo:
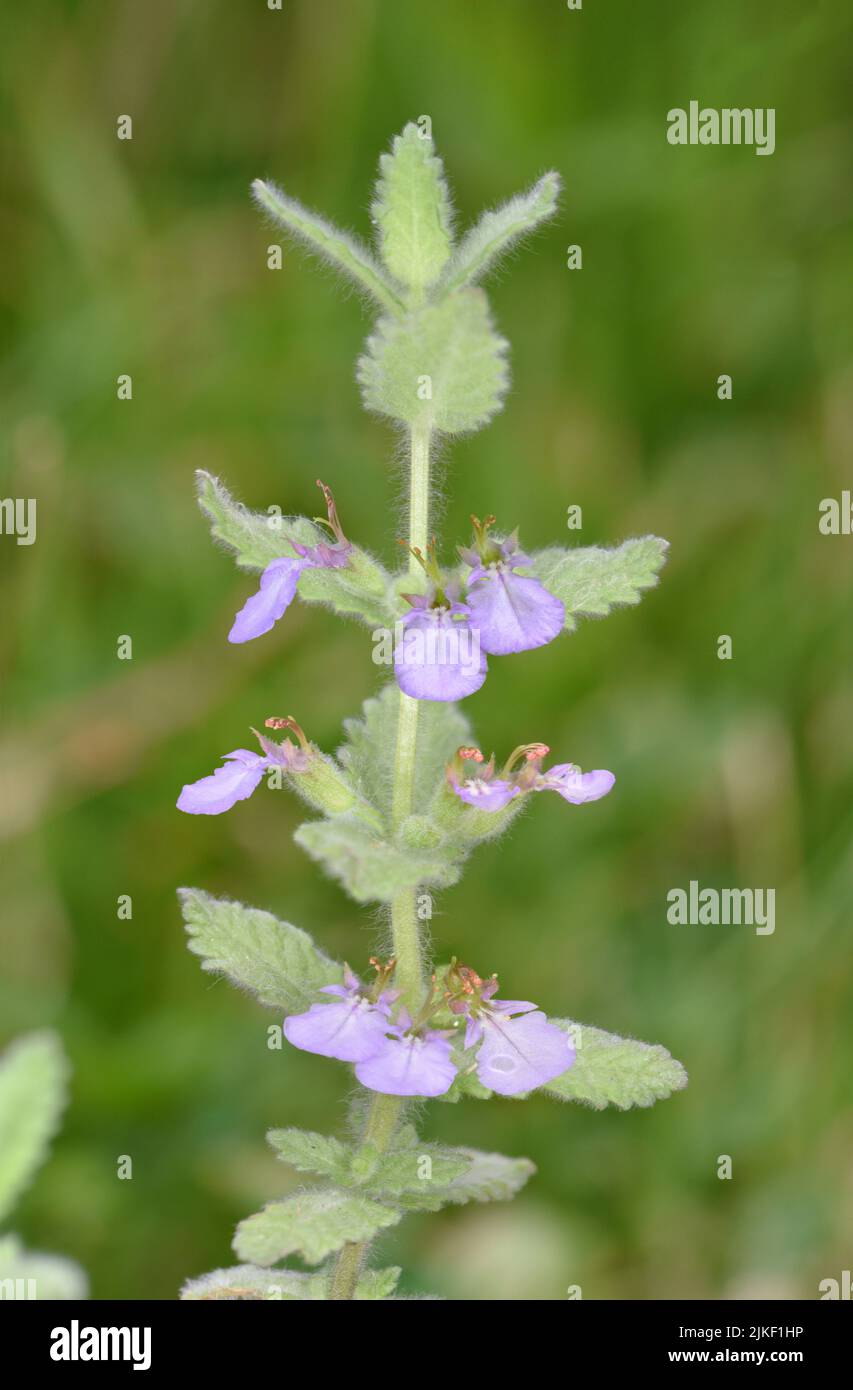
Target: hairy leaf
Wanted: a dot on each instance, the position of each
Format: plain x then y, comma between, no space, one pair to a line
31,1274
441,367
33,1085
497,231
592,580
609,1070
411,210
360,589
308,1152
312,1224
375,1284
485,1177
255,538
274,960
371,869
339,249
243,1283
419,1169
368,753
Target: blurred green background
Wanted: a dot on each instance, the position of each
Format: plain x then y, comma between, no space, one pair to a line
147,257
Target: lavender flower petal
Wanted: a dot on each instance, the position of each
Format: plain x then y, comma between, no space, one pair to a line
349,1031
438,658
262,611
518,1054
409,1066
486,795
513,613
210,796
576,786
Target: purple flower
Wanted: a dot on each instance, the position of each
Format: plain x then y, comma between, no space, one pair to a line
438,656
210,796
409,1064
522,773
518,1049
278,584
518,1053
573,785
350,1029
512,613
243,770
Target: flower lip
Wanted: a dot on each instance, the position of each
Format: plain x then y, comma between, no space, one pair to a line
240,774
277,588
518,1049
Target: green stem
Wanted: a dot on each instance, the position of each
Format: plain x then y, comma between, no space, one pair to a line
382,1119
384,1113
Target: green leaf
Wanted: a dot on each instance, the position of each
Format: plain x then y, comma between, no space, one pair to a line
368,754
442,367
255,538
591,580
497,231
42,1277
411,209
273,960
242,1283
337,248
372,869
609,1070
33,1093
401,1171
312,1153
312,1224
377,1283
360,589
485,1177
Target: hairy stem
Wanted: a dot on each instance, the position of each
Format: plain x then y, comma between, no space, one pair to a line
384,1113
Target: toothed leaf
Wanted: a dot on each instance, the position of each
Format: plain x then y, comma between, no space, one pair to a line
609,1070
372,869
312,1224
411,210
312,1153
592,580
273,960
442,367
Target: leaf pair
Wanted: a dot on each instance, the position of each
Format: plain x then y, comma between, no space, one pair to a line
283,968
373,1191
435,361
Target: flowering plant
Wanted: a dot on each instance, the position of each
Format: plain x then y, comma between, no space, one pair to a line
408,796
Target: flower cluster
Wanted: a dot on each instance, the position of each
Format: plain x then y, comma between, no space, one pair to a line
483,609
517,1048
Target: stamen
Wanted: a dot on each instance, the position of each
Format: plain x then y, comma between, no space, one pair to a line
276,722
529,752
333,523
